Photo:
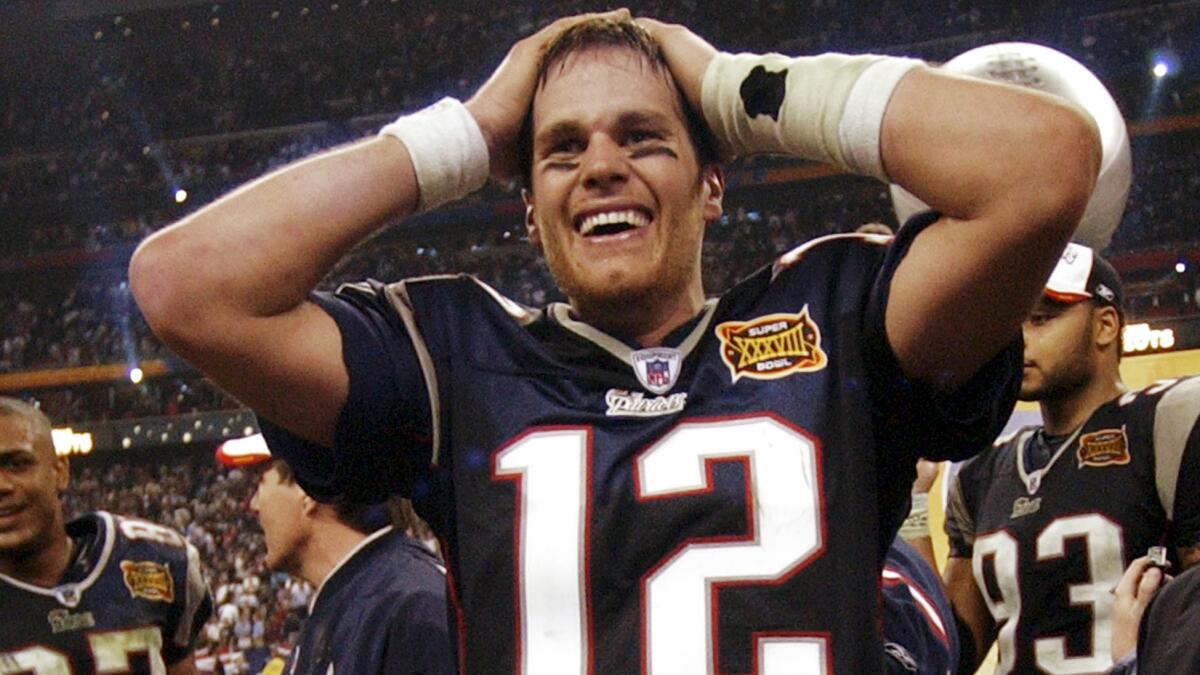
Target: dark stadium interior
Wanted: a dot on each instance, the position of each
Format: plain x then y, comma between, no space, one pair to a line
118,117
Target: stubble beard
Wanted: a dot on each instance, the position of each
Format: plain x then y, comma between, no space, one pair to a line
1072,375
630,303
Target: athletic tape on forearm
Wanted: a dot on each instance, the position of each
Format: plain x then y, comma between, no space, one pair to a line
916,525
827,108
448,151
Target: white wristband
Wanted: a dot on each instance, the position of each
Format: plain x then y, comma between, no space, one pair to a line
862,119
916,525
448,151
827,108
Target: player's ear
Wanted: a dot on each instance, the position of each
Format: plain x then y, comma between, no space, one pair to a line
1106,326
531,227
62,472
308,505
712,178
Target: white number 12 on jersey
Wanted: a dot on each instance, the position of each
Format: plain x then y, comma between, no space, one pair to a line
786,530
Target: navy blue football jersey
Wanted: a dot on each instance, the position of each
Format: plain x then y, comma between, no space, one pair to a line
721,503
381,611
1048,546
133,604
919,631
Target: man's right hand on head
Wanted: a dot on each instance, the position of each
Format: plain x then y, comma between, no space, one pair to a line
500,105
688,56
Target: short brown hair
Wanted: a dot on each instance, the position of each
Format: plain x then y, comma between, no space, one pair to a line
364,518
598,33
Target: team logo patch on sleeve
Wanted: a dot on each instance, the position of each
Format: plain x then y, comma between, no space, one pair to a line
763,92
149,580
1107,447
772,346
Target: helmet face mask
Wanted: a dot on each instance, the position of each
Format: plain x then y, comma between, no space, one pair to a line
1051,71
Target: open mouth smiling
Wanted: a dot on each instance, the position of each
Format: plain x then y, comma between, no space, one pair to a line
603,223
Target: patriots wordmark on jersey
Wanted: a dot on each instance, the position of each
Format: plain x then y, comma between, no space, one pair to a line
133,603
719,504
1047,546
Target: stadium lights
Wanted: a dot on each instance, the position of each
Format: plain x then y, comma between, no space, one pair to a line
181,195
1164,62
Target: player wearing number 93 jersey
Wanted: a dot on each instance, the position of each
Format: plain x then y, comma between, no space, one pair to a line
1042,525
100,594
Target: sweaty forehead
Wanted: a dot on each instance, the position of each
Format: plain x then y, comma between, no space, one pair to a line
597,78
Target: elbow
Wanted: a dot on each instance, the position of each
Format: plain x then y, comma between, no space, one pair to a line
157,280
1073,155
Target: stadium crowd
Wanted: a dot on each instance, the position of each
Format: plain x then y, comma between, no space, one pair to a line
108,126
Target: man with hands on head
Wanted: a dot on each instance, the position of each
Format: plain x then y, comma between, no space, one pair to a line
643,479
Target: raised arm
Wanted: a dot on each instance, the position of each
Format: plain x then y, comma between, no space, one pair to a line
1010,170
228,286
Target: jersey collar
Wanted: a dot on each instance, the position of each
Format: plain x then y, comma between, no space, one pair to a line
69,594
345,559
1033,479
561,313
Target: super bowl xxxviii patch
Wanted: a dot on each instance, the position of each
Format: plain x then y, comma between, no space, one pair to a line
1107,447
149,580
772,346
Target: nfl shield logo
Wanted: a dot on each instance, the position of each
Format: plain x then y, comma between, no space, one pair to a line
658,373
657,368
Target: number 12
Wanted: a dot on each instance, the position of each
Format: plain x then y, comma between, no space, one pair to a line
551,467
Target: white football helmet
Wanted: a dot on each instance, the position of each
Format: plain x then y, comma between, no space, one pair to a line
1056,73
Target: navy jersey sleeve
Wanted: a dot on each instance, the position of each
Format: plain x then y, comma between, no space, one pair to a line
913,418
382,438
919,632
195,609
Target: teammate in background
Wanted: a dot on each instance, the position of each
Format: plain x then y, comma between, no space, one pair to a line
100,594
1042,525
642,480
380,606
